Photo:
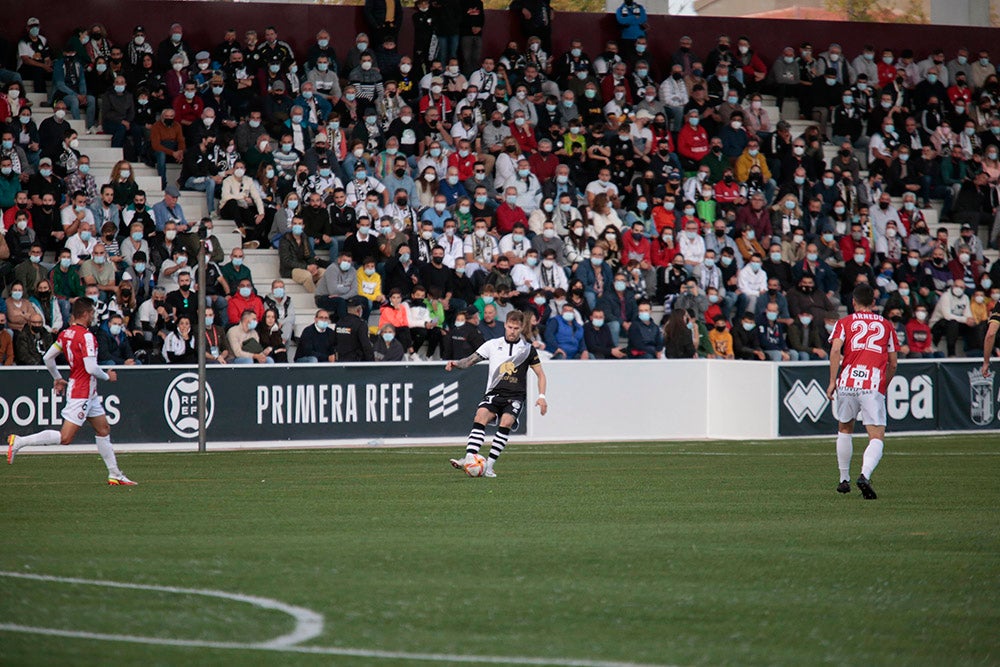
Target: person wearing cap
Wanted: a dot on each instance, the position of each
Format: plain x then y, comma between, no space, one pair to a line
45,182
277,107
138,47
34,55
202,71
69,84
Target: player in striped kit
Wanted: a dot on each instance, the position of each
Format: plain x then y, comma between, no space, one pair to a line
83,403
866,342
510,357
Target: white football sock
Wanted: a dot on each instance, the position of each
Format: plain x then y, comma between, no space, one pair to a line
873,454
107,453
845,448
40,439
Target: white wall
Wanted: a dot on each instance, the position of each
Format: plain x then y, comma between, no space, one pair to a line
655,400
744,399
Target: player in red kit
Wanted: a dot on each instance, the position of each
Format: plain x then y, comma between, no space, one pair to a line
866,343
83,403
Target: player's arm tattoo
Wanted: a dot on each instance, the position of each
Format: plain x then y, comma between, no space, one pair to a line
470,360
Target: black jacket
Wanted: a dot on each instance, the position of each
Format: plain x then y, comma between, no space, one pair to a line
353,343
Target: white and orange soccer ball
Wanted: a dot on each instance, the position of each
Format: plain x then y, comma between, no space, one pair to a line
475,467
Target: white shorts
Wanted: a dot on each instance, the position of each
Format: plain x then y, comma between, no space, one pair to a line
79,410
868,406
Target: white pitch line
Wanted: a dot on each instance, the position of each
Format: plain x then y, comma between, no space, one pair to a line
308,624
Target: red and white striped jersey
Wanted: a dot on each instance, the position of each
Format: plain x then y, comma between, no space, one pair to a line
78,343
868,340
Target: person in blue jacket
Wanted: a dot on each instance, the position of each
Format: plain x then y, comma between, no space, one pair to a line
631,17
564,335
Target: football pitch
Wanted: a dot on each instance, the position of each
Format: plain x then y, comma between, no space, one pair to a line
700,553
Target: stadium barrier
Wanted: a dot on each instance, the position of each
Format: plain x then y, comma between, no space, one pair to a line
367,404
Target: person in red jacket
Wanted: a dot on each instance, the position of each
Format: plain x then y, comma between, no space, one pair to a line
636,245
509,213
244,300
664,248
692,142
753,68
919,336
544,162
856,239
756,217
188,107
523,133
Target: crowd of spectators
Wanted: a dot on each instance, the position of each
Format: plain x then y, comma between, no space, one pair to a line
419,198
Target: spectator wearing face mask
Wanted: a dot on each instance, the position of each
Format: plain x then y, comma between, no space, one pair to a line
953,318
920,337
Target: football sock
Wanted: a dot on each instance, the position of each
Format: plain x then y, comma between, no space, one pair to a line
873,454
476,437
845,448
499,442
40,439
107,453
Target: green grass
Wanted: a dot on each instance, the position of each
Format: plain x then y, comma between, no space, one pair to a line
680,553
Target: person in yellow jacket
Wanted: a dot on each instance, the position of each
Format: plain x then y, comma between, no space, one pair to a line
370,287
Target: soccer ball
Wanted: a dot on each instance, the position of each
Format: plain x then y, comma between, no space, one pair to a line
475,467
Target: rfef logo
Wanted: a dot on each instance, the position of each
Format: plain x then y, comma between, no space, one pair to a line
180,405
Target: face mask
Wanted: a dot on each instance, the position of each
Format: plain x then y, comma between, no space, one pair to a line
239,173
245,292
771,316
775,257
726,260
755,267
85,236
799,151
860,259
511,199
596,261
828,237
958,291
568,316
237,262
828,182
693,122
297,230
689,212
645,316
790,204
404,257
751,235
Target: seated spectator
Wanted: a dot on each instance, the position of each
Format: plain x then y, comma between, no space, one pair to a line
271,337
721,339
245,299
677,336
645,339
599,341
771,334
297,260
244,341
32,343
920,336
181,345
387,347
463,337
564,335
6,343
805,338
216,343
113,347
490,327
317,342
953,318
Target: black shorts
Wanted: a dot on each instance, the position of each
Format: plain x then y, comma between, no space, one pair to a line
504,405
